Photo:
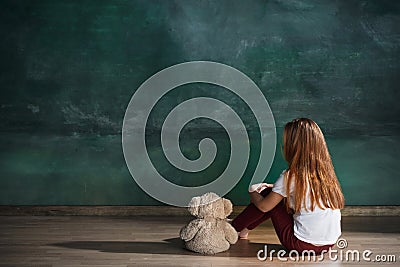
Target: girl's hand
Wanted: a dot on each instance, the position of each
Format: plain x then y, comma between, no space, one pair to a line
259,187
263,186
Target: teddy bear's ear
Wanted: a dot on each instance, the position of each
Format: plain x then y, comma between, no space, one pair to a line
227,206
194,205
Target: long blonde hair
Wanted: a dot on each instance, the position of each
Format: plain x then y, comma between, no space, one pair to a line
310,167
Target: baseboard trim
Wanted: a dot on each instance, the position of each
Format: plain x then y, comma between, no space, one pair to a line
6,210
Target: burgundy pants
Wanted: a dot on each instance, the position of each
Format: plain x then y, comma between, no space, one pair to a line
251,217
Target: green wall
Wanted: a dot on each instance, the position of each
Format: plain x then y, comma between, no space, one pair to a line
69,68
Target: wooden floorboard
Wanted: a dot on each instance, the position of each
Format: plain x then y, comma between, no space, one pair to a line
153,241
162,210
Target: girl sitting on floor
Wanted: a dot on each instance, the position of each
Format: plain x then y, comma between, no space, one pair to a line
304,204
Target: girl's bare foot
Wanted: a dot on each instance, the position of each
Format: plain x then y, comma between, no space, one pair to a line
244,233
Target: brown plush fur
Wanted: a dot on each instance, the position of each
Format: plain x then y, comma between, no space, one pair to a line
210,233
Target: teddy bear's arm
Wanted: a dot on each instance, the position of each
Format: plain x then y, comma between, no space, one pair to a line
230,233
190,230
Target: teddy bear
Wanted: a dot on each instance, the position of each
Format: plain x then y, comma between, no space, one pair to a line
210,233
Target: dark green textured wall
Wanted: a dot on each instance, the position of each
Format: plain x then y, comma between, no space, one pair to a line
69,68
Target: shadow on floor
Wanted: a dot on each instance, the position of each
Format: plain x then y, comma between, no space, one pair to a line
173,246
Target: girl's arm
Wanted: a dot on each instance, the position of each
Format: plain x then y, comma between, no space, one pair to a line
265,204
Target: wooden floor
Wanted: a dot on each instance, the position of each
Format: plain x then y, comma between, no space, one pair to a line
153,241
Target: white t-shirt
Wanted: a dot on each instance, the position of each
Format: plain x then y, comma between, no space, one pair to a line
318,227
